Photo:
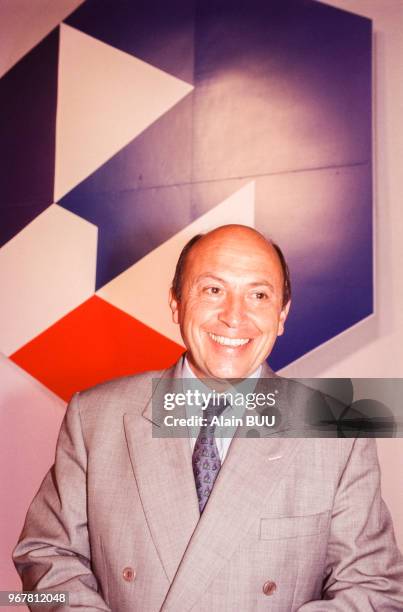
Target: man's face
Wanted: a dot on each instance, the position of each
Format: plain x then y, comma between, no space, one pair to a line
230,312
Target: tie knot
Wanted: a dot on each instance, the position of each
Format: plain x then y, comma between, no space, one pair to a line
215,407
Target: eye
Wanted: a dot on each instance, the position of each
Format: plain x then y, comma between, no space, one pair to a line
260,295
213,290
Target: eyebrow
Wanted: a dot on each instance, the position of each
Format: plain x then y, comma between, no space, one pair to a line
261,283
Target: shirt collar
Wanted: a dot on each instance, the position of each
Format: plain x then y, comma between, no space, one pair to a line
191,381
187,371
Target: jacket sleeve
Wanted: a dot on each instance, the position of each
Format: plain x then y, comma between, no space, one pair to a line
364,568
53,551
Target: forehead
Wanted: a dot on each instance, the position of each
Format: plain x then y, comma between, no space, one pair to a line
241,256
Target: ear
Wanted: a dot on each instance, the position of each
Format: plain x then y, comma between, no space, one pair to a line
283,316
174,306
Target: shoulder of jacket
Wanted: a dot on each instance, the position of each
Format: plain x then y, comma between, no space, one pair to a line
119,394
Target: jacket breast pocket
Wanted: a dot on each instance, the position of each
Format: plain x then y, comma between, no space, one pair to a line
283,527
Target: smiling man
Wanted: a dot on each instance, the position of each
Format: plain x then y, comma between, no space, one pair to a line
131,519
230,302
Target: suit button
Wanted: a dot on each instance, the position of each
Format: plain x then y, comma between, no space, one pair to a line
269,587
129,574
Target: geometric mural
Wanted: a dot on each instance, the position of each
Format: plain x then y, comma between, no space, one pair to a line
134,125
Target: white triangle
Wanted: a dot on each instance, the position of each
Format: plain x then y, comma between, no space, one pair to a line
47,270
142,290
106,97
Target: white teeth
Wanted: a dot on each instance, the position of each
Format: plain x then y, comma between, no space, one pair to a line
229,341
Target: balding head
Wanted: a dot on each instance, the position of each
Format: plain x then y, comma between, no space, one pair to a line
230,232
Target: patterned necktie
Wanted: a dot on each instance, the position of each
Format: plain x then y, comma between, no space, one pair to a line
206,459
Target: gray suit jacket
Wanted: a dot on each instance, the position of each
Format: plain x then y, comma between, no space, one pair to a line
290,522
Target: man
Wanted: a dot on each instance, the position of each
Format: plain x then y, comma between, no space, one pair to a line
287,524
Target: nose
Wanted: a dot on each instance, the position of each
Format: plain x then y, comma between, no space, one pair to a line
232,311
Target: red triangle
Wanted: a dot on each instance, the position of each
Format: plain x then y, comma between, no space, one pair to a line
93,343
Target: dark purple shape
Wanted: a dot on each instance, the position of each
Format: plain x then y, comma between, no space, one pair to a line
332,288
322,311
281,85
27,132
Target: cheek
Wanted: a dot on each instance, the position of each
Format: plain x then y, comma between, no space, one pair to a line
266,321
199,312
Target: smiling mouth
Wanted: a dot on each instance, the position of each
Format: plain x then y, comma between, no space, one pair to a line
224,341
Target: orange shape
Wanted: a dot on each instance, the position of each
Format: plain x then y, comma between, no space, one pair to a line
93,343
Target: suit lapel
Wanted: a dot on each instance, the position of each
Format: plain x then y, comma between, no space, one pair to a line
251,471
163,471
